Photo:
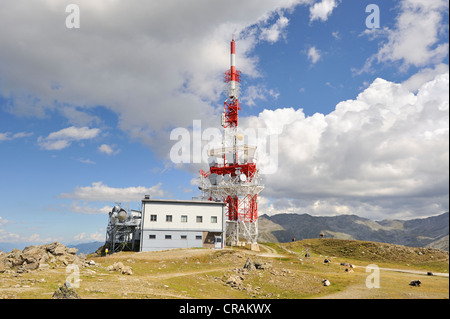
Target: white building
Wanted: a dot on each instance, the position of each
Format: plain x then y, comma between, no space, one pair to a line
170,224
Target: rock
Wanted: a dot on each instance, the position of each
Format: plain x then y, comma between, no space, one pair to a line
127,270
72,251
325,282
119,266
44,266
415,283
249,265
235,281
65,292
32,257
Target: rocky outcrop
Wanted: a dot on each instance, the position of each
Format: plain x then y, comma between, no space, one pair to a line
41,257
65,292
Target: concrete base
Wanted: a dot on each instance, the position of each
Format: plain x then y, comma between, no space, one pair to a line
254,247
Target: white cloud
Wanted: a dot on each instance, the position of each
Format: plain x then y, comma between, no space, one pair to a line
414,40
154,64
63,138
82,208
258,92
3,221
273,33
7,136
84,237
100,192
107,149
85,161
322,10
384,152
9,237
314,54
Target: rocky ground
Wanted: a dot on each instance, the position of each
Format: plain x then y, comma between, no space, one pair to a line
55,271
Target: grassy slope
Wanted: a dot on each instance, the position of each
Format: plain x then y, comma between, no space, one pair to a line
202,273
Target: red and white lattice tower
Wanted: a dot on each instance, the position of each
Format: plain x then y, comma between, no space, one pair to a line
233,176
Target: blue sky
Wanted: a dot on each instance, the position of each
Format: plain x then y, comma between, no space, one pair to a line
86,113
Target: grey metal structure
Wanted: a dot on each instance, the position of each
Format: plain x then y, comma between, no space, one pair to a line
123,231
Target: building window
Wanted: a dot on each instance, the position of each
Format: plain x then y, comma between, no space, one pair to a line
151,236
198,237
153,218
183,236
184,218
199,219
169,218
214,219
168,237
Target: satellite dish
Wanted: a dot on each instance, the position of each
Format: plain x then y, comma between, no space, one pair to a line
213,179
227,177
240,137
219,179
242,177
122,215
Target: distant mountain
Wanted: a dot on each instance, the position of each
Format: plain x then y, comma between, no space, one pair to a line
432,231
87,248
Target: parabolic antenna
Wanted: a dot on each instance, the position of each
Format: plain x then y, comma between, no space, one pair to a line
122,215
213,179
242,177
219,179
227,177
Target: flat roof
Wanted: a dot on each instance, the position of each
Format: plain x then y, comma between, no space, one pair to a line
183,201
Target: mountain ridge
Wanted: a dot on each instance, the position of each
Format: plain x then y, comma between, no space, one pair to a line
414,233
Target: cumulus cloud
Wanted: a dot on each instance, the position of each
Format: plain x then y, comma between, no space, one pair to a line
314,55
101,192
107,149
386,151
64,137
273,33
414,40
258,92
144,61
322,10
84,237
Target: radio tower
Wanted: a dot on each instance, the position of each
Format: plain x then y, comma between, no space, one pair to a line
233,177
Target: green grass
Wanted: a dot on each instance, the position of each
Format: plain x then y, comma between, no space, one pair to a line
374,252
202,273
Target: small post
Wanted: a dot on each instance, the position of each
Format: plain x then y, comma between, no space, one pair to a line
106,255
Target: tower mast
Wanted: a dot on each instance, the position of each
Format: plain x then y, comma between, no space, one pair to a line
233,179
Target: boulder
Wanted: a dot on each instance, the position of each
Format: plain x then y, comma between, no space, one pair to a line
235,281
249,264
120,267
65,292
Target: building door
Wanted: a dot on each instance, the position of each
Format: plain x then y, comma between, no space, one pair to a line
217,242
